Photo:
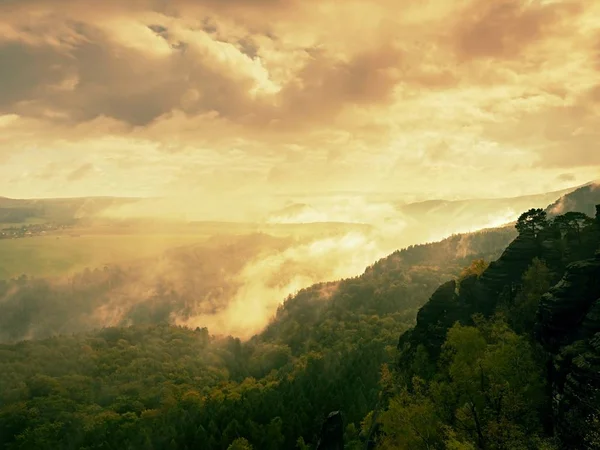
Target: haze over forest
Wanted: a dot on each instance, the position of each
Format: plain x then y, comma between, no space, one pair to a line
228,276
274,112
221,220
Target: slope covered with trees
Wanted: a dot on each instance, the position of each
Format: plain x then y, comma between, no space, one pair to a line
160,386
509,357
503,355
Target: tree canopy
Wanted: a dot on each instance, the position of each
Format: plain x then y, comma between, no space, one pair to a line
532,222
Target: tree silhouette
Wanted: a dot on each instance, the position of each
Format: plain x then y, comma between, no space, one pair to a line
572,223
532,222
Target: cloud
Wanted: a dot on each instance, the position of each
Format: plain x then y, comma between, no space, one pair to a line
506,28
307,95
81,172
266,281
99,72
563,136
233,282
567,177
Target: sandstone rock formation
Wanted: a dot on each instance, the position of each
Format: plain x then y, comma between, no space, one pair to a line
569,328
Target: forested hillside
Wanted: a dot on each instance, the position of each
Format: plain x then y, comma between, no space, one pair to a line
161,386
508,357
179,283
496,359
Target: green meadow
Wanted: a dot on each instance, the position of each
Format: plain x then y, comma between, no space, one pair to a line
65,251
54,255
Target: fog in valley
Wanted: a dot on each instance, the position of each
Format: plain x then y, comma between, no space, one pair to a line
133,261
299,225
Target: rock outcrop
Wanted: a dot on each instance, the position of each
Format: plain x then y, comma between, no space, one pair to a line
452,302
511,265
576,394
565,306
502,279
569,329
568,322
433,320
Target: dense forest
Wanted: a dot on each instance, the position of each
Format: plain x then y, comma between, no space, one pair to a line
194,280
504,354
507,357
181,282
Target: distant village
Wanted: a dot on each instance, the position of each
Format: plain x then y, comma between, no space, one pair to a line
25,231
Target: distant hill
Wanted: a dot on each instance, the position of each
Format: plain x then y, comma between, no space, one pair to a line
486,212
480,213
294,213
428,206
583,199
329,348
399,224
17,211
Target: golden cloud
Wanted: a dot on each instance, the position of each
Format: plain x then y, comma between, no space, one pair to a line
297,95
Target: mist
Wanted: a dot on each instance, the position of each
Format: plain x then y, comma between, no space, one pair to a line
153,260
267,280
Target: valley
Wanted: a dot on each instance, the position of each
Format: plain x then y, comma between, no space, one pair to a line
145,368
299,225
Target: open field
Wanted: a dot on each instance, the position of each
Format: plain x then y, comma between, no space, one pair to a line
60,255
66,251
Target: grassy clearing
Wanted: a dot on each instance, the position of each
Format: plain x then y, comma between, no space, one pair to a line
53,255
66,251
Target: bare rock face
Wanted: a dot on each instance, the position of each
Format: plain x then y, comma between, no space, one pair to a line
569,328
433,319
566,306
513,262
568,321
576,393
452,302
332,433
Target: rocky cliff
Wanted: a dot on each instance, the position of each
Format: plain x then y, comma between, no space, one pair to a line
567,324
452,302
569,329
563,310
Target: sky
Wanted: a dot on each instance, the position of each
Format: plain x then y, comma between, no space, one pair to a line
232,101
